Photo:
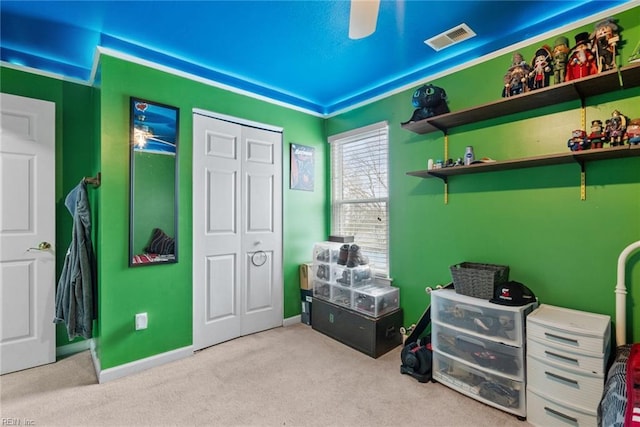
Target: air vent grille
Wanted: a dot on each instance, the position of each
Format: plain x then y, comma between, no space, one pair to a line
450,37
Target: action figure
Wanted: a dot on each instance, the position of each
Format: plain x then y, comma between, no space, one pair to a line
633,132
560,57
605,38
515,81
541,70
597,136
578,141
581,63
617,128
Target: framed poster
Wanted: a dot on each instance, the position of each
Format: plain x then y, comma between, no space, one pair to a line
302,167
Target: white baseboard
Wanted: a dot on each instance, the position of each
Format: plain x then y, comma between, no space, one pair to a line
72,348
290,321
136,366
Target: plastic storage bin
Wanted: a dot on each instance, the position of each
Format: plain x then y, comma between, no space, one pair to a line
353,276
341,295
321,290
326,252
376,300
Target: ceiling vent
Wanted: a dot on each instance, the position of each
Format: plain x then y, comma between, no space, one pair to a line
450,37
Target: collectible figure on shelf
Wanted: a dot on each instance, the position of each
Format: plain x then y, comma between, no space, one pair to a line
605,39
578,141
597,136
633,132
516,79
429,101
617,128
581,62
541,68
560,57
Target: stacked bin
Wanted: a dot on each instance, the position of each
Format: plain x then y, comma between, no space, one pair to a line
350,287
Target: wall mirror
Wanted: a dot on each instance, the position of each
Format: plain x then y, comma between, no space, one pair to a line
153,205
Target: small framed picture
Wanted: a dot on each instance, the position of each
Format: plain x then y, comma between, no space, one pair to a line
302,167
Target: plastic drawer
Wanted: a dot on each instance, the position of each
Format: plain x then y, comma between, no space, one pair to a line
495,390
544,412
573,330
480,317
559,355
324,271
500,358
581,388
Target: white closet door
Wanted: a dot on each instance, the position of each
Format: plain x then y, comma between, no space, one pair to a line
237,230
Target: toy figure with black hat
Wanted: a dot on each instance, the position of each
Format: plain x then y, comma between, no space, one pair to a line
597,136
512,293
541,68
582,62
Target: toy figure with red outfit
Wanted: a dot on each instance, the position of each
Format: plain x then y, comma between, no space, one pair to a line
578,141
582,62
605,38
633,132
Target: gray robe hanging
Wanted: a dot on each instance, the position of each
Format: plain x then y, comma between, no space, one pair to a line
76,287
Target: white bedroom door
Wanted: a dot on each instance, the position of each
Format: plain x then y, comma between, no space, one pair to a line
27,233
237,229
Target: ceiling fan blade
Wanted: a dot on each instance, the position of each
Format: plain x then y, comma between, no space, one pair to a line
363,18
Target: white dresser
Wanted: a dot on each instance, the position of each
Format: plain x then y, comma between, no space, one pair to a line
478,349
567,353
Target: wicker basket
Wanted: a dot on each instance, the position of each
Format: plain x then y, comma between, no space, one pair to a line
478,280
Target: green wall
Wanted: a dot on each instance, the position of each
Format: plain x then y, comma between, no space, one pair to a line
532,220
165,291
76,147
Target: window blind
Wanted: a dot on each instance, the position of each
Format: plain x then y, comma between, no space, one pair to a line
360,191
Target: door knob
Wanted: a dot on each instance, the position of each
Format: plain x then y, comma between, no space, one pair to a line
43,246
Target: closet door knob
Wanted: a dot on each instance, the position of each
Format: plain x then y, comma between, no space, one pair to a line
43,246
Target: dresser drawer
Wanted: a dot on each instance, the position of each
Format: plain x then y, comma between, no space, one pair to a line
573,330
477,316
495,390
543,412
498,357
580,388
560,356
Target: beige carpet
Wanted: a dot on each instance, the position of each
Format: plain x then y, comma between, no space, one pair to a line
291,376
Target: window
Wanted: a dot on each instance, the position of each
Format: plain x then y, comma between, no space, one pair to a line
360,190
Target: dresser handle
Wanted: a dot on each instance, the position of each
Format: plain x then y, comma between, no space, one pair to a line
558,337
559,356
560,414
558,377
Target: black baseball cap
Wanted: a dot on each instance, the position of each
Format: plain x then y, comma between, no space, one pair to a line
512,293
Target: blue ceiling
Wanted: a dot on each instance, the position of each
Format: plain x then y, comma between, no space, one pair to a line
294,52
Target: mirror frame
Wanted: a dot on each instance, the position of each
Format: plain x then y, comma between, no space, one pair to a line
143,115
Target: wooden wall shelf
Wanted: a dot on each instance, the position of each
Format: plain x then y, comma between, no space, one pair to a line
608,81
581,157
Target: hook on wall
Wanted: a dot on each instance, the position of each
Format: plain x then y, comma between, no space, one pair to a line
95,181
